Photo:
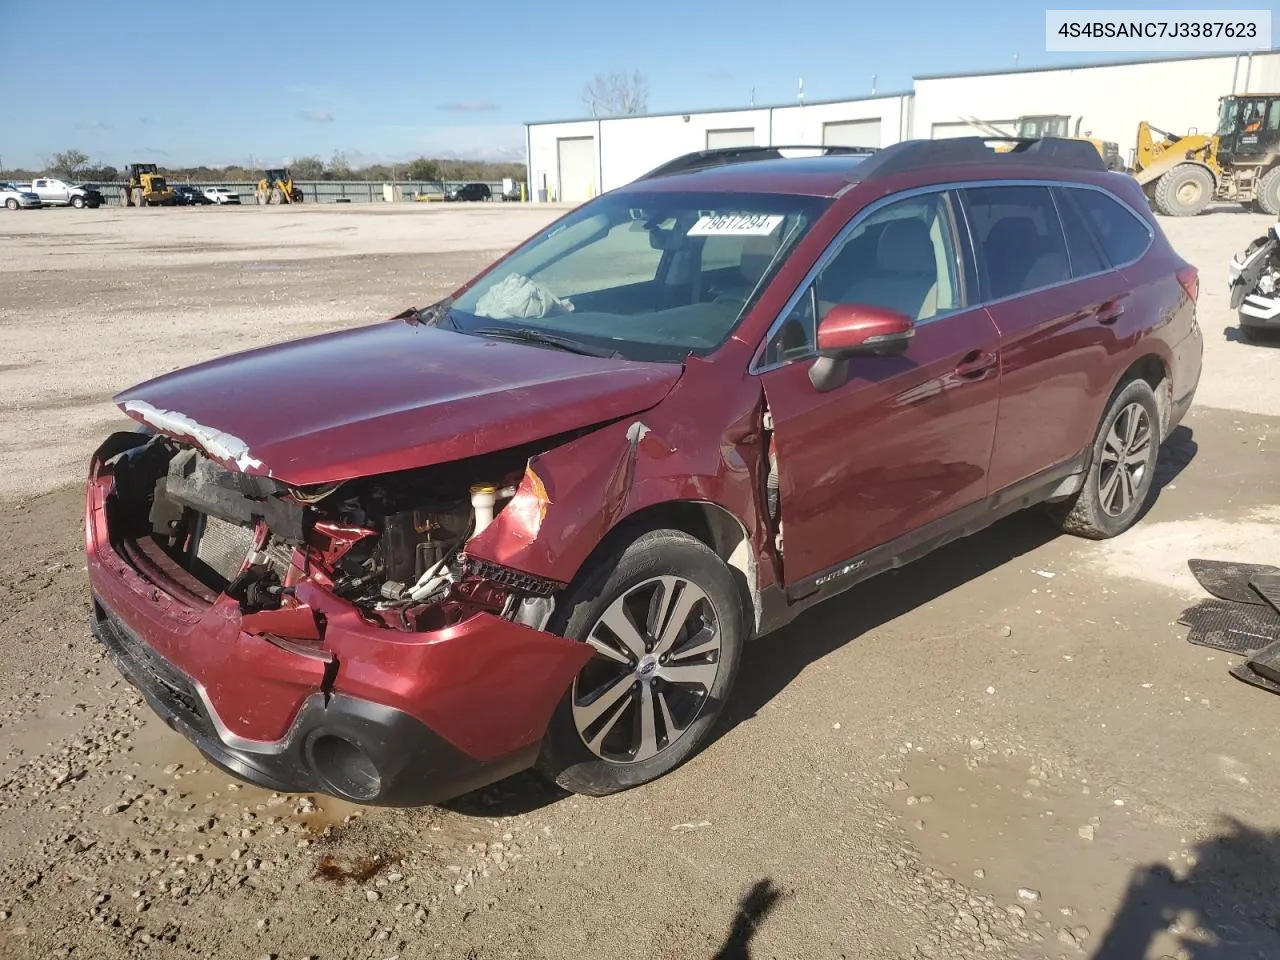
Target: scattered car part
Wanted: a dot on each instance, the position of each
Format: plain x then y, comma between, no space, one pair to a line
1253,277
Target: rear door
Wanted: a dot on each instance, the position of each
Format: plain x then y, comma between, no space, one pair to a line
904,441
1055,304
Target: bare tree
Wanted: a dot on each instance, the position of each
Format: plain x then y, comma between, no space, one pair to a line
68,163
615,94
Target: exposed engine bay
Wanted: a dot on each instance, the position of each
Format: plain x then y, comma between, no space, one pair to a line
391,545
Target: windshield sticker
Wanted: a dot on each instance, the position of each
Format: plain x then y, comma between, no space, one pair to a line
736,225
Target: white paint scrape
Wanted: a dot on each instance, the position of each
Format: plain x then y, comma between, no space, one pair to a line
1158,553
216,443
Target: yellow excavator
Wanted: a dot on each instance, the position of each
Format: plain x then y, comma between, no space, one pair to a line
145,186
278,187
1240,163
1051,125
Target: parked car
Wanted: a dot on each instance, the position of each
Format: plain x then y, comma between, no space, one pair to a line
222,195
358,564
14,197
187,195
469,191
58,193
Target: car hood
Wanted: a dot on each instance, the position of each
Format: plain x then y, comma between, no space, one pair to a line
386,397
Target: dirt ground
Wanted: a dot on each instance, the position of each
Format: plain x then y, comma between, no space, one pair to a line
1007,749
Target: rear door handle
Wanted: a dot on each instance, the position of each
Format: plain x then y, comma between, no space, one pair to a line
1110,312
975,364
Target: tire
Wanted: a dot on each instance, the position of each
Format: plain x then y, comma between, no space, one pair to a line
78,202
277,196
138,200
1184,191
11,203
1100,510
1269,192
627,753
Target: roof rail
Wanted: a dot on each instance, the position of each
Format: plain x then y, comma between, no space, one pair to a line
922,154
719,156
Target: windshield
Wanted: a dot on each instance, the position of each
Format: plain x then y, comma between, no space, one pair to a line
1227,116
651,276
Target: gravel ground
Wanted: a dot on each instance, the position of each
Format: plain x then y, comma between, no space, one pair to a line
1008,749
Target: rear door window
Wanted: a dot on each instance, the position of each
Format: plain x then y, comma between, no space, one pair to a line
1019,238
1123,237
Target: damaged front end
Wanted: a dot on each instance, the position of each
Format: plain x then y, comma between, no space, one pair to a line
334,638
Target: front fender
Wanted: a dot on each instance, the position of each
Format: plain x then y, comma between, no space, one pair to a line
699,445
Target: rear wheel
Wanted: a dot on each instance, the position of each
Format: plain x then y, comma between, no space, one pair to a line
1184,191
666,621
1269,192
1121,470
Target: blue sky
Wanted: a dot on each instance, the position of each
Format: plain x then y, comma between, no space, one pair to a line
259,83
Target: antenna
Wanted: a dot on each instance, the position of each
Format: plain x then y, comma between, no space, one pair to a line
800,92
873,83
1015,59
753,96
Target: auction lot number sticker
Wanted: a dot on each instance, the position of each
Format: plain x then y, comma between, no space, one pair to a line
736,225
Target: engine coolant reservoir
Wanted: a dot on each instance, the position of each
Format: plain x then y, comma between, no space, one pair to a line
483,497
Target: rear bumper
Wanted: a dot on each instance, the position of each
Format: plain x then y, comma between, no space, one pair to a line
1259,311
338,745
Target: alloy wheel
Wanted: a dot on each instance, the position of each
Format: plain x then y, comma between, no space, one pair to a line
657,656
1122,470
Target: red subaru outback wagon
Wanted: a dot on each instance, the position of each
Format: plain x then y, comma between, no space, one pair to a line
534,524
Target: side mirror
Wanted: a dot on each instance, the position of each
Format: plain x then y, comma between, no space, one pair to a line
857,330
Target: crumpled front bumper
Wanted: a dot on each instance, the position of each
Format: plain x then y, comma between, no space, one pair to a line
371,714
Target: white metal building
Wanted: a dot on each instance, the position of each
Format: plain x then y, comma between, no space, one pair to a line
1175,95
573,160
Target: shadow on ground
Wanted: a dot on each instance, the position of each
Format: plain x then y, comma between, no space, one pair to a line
1264,340
774,661
753,908
1226,906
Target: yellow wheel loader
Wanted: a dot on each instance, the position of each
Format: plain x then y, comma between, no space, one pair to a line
1240,163
277,187
145,187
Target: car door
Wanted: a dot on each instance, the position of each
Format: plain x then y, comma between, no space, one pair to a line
41,189
1054,305
899,448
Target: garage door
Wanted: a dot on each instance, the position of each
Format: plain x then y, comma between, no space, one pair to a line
851,133
943,131
739,137
577,168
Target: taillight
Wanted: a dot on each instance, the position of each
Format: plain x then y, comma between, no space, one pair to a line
1189,277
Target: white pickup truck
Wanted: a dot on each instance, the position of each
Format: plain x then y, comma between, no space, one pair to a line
58,193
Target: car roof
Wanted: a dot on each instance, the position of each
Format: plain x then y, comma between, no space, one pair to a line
768,170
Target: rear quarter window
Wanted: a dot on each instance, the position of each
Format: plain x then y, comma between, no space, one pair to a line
1121,235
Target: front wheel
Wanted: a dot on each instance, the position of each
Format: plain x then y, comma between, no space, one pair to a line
78,202
666,620
1184,191
11,203
1122,468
